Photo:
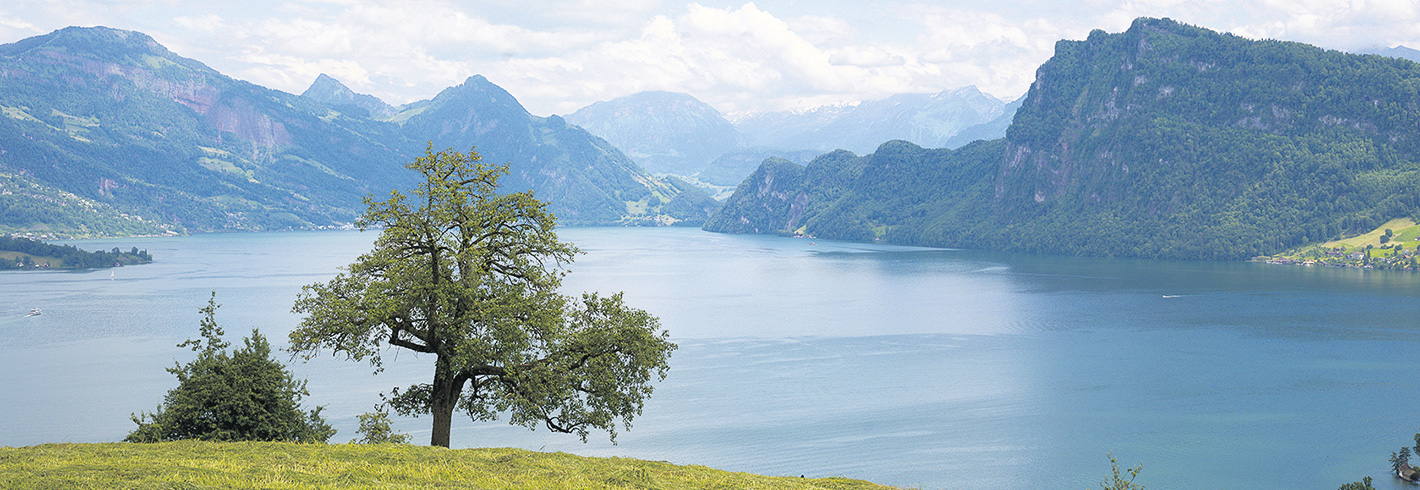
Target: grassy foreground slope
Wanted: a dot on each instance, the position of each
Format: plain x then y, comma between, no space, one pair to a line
194,464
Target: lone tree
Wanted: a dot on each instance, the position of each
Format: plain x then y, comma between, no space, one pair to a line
470,276
375,429
239,396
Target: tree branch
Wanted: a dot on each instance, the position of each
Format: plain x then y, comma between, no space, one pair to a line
399,342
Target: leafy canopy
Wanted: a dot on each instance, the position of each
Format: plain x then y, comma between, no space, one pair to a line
238,396
471,276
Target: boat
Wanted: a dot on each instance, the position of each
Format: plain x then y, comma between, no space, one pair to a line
33,312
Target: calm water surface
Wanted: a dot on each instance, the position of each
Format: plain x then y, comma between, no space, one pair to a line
908,366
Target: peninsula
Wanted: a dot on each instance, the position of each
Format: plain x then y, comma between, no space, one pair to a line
24,253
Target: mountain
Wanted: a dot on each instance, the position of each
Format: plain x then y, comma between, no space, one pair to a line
989,130
731,168
677,134
1164,141
664,132
584,178
931,120
331,92
110,121
790,129
114,118
1401,52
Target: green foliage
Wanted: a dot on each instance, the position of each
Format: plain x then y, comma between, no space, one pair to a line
1122,480
1165,141
280,466
1400,461
375,429
1364,484
238,396
471,276
66,256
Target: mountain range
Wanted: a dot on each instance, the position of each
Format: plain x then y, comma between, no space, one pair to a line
106,131
677,134
929,120
664,132
1164,141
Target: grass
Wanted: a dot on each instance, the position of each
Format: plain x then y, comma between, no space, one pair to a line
1405,230
10,256
195,464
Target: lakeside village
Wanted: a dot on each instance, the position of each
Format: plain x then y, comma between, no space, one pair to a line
1391,247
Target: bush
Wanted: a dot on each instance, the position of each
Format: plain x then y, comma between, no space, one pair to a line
241,396
375,429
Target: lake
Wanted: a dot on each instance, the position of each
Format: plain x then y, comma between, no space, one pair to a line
916,367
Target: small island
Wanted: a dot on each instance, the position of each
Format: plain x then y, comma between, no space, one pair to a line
20,253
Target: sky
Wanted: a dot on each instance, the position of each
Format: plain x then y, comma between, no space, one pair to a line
769,55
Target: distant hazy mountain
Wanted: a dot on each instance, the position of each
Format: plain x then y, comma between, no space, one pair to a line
1401,52
732,168
677,134
989,130
111,121
929,120
663,131
330,91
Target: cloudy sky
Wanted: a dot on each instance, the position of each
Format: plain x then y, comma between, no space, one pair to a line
558,56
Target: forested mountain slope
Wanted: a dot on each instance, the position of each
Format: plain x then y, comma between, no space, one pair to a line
1162,141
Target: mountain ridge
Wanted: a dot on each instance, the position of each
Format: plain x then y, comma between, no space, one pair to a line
167,140
665,132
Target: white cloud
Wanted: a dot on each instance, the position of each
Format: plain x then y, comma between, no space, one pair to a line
1350,25
716,54
210,23
869,57
16,24
559,55
823,30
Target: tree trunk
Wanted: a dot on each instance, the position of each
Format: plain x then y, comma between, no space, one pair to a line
444,395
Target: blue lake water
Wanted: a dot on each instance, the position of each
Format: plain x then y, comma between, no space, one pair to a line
908,366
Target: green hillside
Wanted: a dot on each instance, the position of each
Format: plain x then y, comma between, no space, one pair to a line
193,464
1164,141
